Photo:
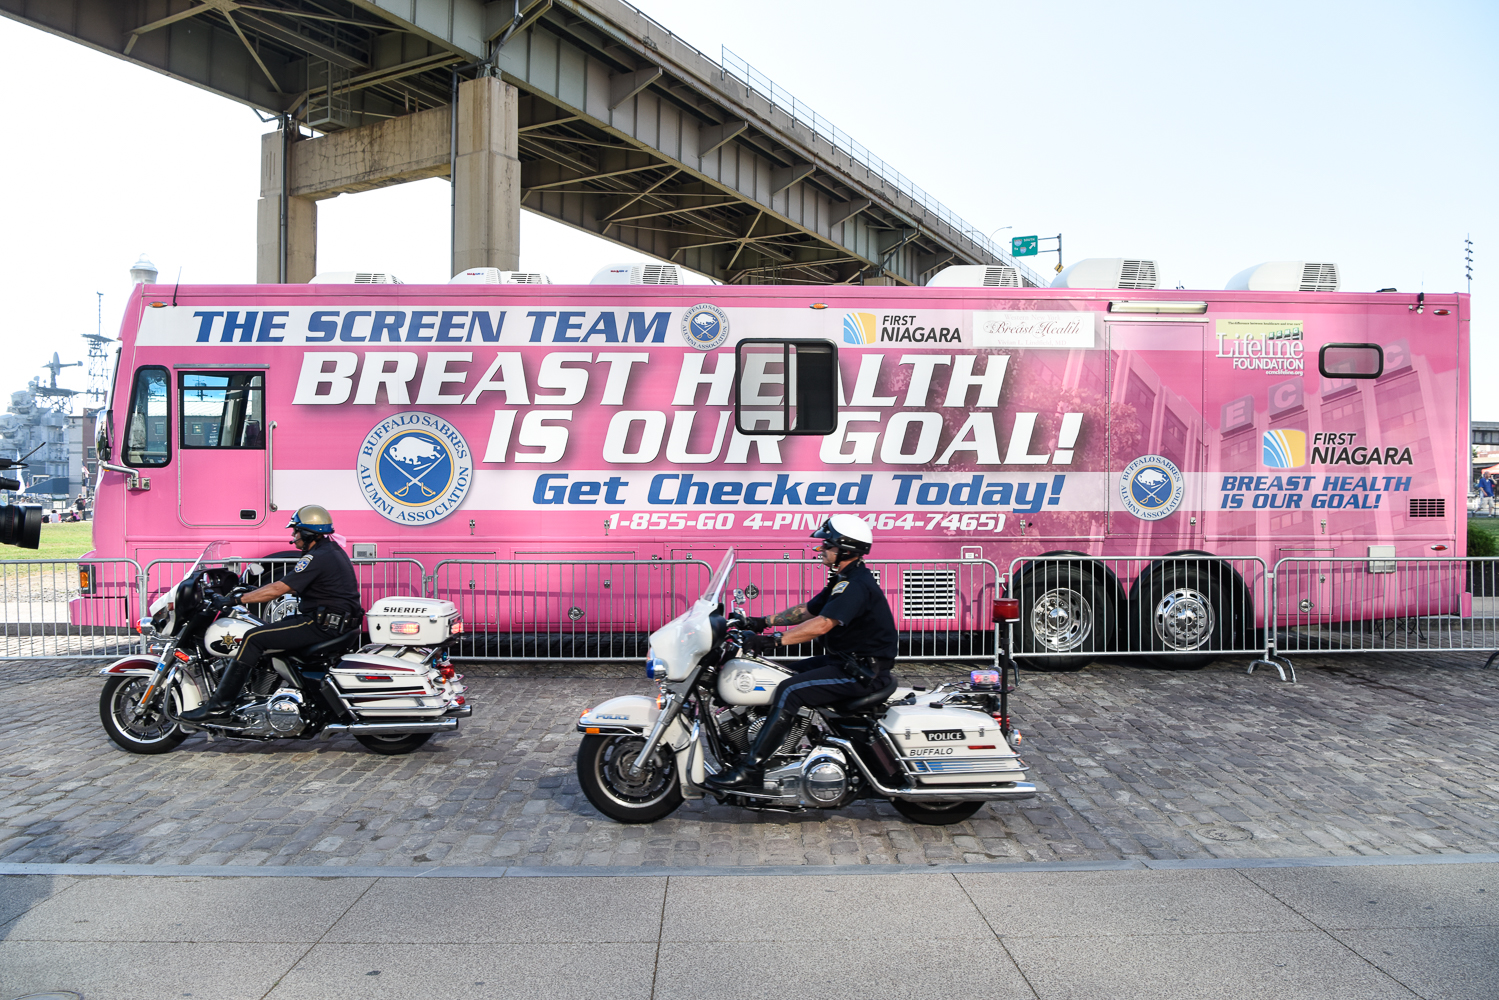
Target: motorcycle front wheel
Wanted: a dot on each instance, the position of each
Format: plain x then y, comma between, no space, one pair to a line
150,731
935,813
604,772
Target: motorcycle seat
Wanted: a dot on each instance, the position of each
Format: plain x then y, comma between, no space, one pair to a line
864,703
331,647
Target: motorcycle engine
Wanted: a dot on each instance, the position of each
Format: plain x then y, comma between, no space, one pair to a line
820,780
278,715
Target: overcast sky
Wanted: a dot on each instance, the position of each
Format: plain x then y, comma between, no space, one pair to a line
1208,137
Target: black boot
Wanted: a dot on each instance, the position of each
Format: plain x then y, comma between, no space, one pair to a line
751,770
223,699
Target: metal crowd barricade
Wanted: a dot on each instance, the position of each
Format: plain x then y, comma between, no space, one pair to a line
514,609
1359,605
1165,607
69,608
942,607
377,577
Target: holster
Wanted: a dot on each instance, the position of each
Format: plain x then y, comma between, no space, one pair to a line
336,622
860,668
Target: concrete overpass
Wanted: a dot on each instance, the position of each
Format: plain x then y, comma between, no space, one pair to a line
585,111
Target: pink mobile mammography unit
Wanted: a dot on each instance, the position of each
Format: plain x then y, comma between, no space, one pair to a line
520,421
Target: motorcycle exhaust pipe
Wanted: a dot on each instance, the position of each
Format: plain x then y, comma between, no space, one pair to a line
1019,790
390,728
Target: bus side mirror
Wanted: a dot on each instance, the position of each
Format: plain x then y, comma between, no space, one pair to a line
104,438
786,387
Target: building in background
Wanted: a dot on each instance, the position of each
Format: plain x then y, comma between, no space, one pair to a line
1485,441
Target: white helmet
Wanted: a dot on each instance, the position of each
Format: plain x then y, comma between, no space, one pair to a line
849,532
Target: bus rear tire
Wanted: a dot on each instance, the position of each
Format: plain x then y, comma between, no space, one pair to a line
1064,614
1174,611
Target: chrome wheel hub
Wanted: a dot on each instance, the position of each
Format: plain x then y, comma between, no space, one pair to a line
1184,619
1061,620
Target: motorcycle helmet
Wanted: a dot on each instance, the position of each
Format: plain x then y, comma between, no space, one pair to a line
849,532
312,520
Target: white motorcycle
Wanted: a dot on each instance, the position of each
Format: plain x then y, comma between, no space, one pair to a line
393,695
938,755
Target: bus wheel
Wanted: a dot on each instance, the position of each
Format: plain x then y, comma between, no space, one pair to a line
1176,611
1063,618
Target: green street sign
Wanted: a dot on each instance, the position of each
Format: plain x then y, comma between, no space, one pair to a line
1023,246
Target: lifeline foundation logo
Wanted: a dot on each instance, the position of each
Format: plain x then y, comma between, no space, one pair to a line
705,327
1151,487
414,468
1273,346
1285,449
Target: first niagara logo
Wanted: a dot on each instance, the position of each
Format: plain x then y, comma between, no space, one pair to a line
1151,487
705,327
1285,449
414,468
859,328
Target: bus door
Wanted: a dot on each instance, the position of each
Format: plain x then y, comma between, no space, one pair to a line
1156,372
222,473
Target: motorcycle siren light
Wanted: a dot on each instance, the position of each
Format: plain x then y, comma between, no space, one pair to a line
984,678
1006,609
405,628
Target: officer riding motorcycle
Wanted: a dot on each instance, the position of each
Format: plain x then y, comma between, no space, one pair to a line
853,619
325,582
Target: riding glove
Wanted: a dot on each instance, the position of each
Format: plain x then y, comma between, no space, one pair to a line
758,644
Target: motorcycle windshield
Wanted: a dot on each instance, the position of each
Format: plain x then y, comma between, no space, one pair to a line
212,552
714,593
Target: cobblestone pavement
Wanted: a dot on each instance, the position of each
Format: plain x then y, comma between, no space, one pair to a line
1375,755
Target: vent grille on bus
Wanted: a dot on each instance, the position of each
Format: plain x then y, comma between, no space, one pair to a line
529,278
1428,508
375,278
929,593
1319,278
1001,276
1137,274
659,274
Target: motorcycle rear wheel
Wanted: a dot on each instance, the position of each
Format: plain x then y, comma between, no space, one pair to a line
602,771
393,745
153,733
935,813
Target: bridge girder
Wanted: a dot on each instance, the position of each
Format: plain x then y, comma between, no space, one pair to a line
624,130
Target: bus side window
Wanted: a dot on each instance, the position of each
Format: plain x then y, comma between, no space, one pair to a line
148,441
1339,361
786,387
223,410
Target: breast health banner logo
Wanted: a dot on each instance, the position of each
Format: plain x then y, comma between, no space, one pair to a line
859,328
414,468
1285,449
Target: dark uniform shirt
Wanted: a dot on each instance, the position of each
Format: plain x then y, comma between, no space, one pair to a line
865,625
324,578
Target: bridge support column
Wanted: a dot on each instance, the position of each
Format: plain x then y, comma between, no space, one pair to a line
486,193
486,177
301,221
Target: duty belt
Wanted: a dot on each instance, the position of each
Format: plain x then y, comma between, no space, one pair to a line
332,621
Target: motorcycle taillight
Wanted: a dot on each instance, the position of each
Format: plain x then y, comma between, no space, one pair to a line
447,671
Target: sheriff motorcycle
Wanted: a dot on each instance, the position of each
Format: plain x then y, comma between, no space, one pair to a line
937,755
392,695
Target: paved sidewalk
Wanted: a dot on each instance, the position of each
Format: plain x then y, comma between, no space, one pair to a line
1365,756
1369,932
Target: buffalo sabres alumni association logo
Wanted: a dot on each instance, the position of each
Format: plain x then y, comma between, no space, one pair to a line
705,327
415,468
1151,487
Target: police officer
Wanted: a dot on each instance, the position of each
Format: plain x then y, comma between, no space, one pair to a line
324,581
858,632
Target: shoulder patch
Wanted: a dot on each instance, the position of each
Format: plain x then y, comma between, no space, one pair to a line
302,564
840,587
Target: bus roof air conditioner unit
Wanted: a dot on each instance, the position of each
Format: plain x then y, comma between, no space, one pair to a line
355,278
494,276
976,276
637,274
1286,276
1108,272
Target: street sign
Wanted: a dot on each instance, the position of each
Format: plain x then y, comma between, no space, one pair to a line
1023,246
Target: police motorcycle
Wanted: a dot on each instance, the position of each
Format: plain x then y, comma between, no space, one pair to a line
937,755
392,695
